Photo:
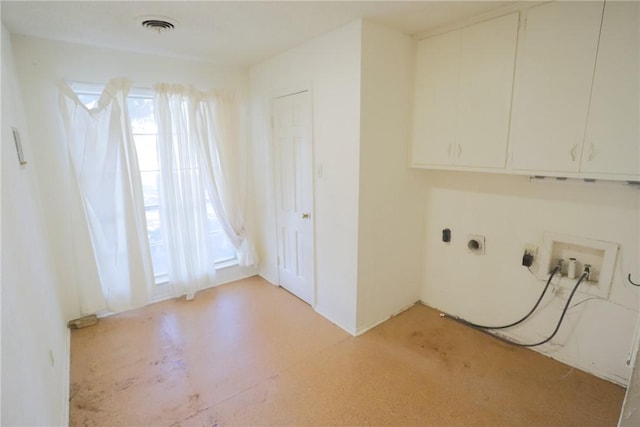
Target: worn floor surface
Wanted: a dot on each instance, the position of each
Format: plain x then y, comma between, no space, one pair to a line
249,353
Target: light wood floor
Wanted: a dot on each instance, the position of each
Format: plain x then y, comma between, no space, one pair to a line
249,353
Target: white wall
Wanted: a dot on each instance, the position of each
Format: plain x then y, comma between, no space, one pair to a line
596,335
35,340
630,413
330,65
354,242
631,407
41,65
391,220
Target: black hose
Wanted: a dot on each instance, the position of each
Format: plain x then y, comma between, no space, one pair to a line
517,322
546,340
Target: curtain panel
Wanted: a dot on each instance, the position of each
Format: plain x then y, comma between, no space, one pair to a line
226,156
199,148
105,171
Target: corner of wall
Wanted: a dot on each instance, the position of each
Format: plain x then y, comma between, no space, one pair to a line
66,375
390,211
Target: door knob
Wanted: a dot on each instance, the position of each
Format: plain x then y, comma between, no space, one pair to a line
306,216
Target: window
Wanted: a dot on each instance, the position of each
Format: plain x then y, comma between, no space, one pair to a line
140,105
145,134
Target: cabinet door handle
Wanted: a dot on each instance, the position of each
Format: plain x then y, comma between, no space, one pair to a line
459,151
573,152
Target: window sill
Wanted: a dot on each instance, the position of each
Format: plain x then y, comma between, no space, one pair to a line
227,263
164,279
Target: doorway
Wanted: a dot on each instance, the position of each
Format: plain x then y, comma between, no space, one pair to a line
293,173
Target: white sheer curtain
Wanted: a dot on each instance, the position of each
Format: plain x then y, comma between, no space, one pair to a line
104,163
183,192
191,126
226,165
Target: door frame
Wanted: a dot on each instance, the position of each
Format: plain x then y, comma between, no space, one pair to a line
281,93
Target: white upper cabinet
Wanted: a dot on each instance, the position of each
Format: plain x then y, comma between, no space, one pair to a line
572,107
463,93
487,60
434,115
556,57
613,130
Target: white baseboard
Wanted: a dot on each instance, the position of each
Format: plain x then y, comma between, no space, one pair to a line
365,329
323,313
272,280
545,351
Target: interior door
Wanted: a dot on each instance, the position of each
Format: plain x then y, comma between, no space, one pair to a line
294,193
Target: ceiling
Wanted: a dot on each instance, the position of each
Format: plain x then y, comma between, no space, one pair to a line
238,33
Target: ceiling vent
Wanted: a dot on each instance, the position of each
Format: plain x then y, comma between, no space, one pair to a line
158,24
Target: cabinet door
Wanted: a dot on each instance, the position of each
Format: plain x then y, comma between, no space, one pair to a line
554,72
434,114
613,129
487,58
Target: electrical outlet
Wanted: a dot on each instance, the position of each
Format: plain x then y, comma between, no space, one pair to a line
530,252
